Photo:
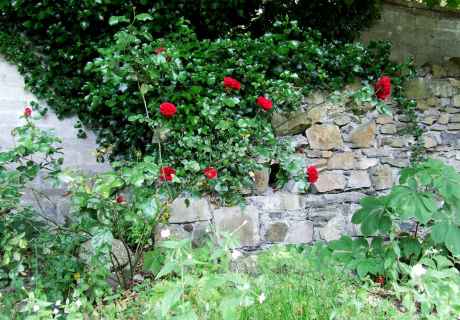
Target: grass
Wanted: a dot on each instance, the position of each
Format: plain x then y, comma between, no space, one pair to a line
296,285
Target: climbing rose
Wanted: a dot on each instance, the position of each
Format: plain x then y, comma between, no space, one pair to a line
380,280
120,199
167,173
382,88
27,112
210,173
312,174
265,103
168,109
160,50
231,83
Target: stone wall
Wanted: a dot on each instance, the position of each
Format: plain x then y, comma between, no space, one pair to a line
357,155
429,35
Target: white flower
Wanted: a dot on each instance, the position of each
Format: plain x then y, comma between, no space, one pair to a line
246,286
78,303
189,257
261,298
417,271
58,303
165,233
236,254
36,307
56,311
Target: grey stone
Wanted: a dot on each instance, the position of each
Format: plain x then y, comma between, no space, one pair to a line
382,177
453,126
384,120
290,123
330,181
119,256
243,223
317,114
261,178
198,209
438,71
429,120
345,161
452,110
442,88
454,118
388,129
197,232
452,139
316,97
342,120
300,232
417,89
429,141
438,127
456,101
276,232
363,136
443,118
395,142
358,180
366,163
324,137
334,229
396,162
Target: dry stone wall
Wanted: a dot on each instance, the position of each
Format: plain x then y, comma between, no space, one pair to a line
357,155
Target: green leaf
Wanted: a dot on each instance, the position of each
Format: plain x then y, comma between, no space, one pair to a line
453,239
143,17
439,232
150,208
114,20
153,261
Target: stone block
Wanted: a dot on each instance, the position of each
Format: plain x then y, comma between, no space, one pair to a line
384,120
290,123
388,129
443,118
300,232
334,229
417,89
185,210
344,161
324,137
366,163
261,179
382,177
330,181
242,222
358,180
363,136
276,232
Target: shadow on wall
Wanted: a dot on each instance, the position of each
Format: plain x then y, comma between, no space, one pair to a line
429,35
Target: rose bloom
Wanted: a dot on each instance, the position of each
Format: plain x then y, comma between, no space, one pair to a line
27,112
382,88
232,83
120,199
167,173
312,174
160,50
210,173
265,103
168,109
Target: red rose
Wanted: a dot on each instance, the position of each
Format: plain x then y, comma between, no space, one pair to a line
312,174
167,173
210,173
120,199
168,109
265,103
382,88
27,112
380,280
231,83
160,50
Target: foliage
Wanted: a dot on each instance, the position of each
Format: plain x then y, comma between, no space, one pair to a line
214,125
433,285
418,214
285,283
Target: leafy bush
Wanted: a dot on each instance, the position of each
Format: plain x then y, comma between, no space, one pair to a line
418,214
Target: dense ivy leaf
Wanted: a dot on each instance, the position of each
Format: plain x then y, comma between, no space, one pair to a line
114,20
453,239
439,232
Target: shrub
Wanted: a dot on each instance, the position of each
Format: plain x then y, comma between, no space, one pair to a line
417,215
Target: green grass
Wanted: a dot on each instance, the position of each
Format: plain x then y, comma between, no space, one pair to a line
297,285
